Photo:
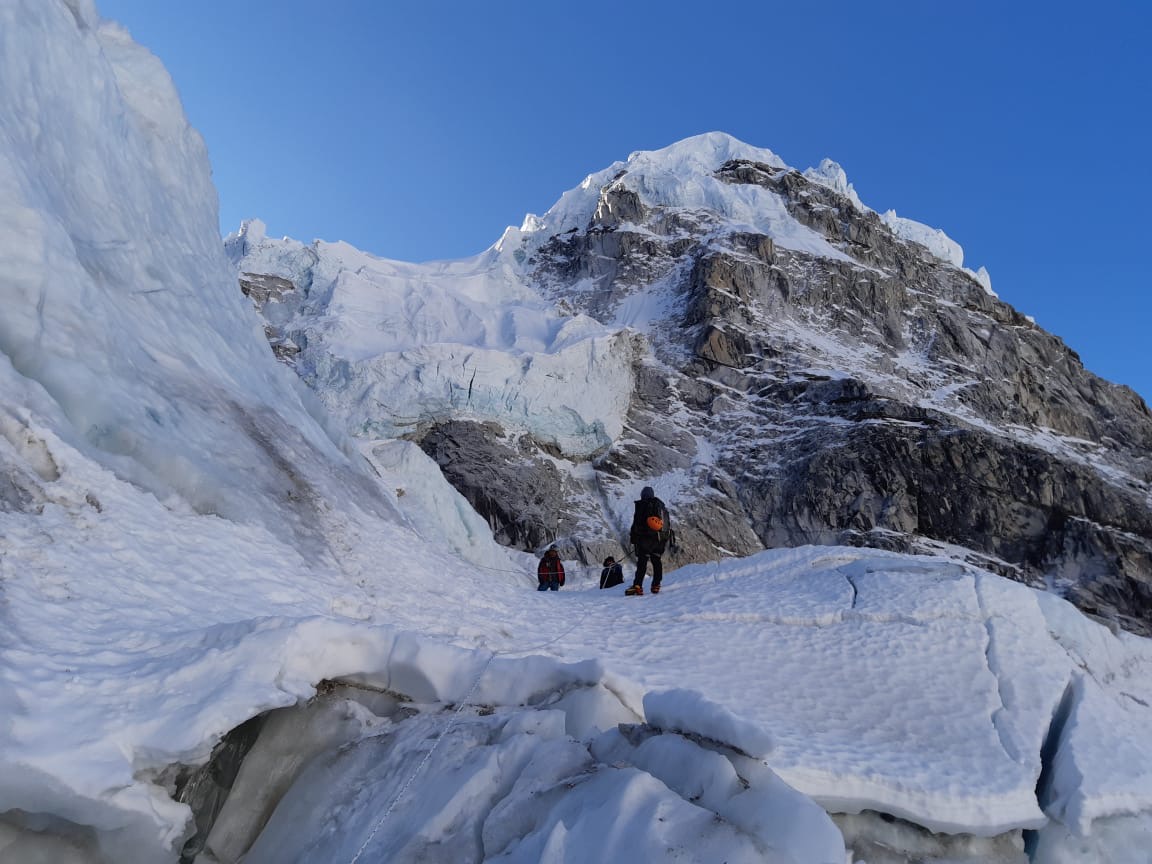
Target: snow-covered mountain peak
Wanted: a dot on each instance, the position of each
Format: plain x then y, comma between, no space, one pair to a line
830,174
672,176
699,155
686,176
251,232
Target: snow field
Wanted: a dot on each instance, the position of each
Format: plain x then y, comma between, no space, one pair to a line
131,630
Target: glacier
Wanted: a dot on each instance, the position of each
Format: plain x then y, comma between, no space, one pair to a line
191,541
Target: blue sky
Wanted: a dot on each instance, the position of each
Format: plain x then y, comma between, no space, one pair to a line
420,130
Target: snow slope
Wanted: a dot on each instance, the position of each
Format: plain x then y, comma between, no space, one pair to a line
184,546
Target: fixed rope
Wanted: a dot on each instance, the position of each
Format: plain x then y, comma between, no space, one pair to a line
411,777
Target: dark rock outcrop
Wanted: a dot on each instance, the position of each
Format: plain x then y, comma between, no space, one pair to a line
268,292
517,490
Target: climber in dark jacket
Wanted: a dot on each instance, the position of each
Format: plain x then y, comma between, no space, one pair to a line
649,535
612,574
550,571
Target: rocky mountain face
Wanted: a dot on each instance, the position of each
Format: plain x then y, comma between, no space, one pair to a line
854,388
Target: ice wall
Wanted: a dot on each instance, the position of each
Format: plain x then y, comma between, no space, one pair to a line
117,298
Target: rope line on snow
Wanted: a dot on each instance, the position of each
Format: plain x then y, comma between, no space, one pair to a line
498,569
423,762
452,723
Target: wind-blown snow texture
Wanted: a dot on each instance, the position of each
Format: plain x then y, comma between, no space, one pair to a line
184,547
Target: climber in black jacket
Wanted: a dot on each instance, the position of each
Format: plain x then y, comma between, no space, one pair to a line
649,535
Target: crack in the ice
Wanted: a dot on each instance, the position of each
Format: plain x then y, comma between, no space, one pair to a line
997,716
1053,738
827,620
1049,747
